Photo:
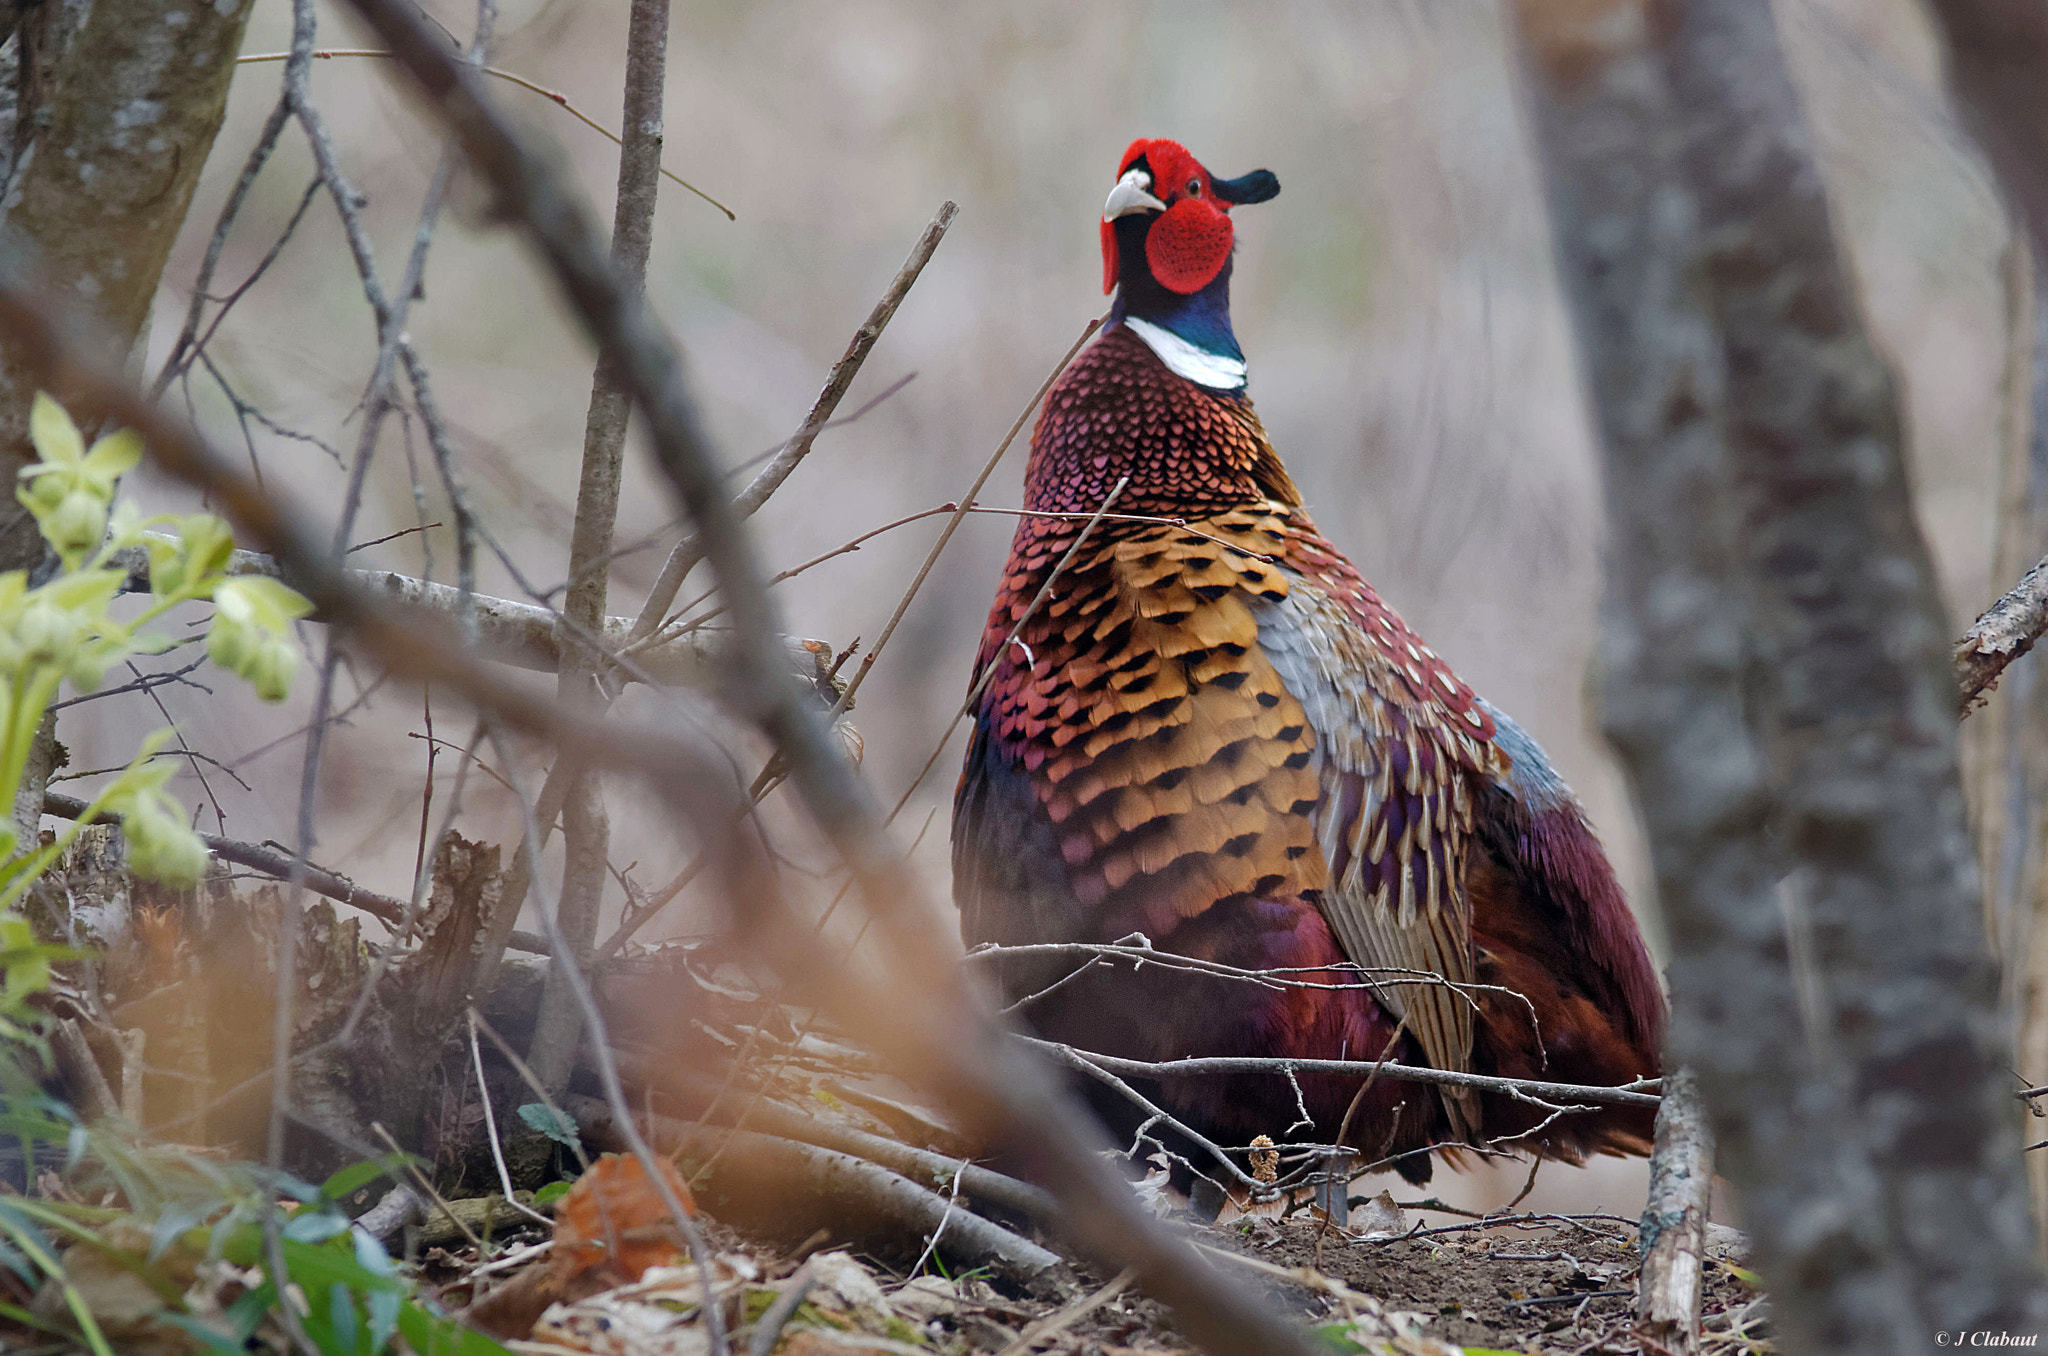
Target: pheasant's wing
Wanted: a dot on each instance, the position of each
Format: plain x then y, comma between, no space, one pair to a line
1135,720
1399,740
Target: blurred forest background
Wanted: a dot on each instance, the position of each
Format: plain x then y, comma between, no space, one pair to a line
1410,355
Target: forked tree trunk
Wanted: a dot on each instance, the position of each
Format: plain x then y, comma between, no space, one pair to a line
1778,682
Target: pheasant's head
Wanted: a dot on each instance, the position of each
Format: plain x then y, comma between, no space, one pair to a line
1166,240
1167,221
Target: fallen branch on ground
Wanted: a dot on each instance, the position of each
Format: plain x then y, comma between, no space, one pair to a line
774,1118
764,1180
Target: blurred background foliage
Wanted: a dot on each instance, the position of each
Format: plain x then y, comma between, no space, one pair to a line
1409,353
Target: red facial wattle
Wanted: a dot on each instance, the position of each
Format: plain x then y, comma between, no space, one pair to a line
1188,245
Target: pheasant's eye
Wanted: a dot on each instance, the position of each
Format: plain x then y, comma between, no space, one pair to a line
1194,188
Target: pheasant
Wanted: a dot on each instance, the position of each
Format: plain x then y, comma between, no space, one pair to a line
1211,731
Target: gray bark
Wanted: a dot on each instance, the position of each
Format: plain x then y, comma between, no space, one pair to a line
1777,682
586,829
116,105
121,106
1674,1228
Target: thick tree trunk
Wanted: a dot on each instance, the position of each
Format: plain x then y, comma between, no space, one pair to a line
121,102
1777,682
122,106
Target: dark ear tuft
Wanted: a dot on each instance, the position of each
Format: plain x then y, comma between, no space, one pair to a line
1257,186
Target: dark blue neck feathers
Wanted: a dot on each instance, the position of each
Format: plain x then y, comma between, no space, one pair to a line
1203,318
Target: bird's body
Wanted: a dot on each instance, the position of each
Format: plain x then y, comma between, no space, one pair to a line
1212,732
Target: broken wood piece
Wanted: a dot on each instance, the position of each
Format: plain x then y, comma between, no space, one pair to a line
394,1210
1674,1227
483,1216
2007,630
91,1095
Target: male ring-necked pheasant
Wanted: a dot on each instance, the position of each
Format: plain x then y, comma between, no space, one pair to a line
1213,732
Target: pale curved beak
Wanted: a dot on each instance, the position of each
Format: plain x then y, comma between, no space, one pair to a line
1133,193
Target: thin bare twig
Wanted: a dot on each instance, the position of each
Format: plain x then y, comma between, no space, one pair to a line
1624,1095
689,551
966,502
483,1092
554,792
768,1328
554,96
528,1077
259,154
586,829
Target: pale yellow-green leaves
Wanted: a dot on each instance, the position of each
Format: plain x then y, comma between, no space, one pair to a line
186,564
64,626
161,846
251,635
68,630
72,488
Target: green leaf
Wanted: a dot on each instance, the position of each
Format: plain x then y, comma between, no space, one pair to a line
552,1192
1336,1337
383,1306
356,1176
341,1314
114,455
370,1255
225,1343
552,1122
429,1335
51,430
314,1226
257,600
174,1223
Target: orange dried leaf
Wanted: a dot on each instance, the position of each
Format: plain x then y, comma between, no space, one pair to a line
615,1217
